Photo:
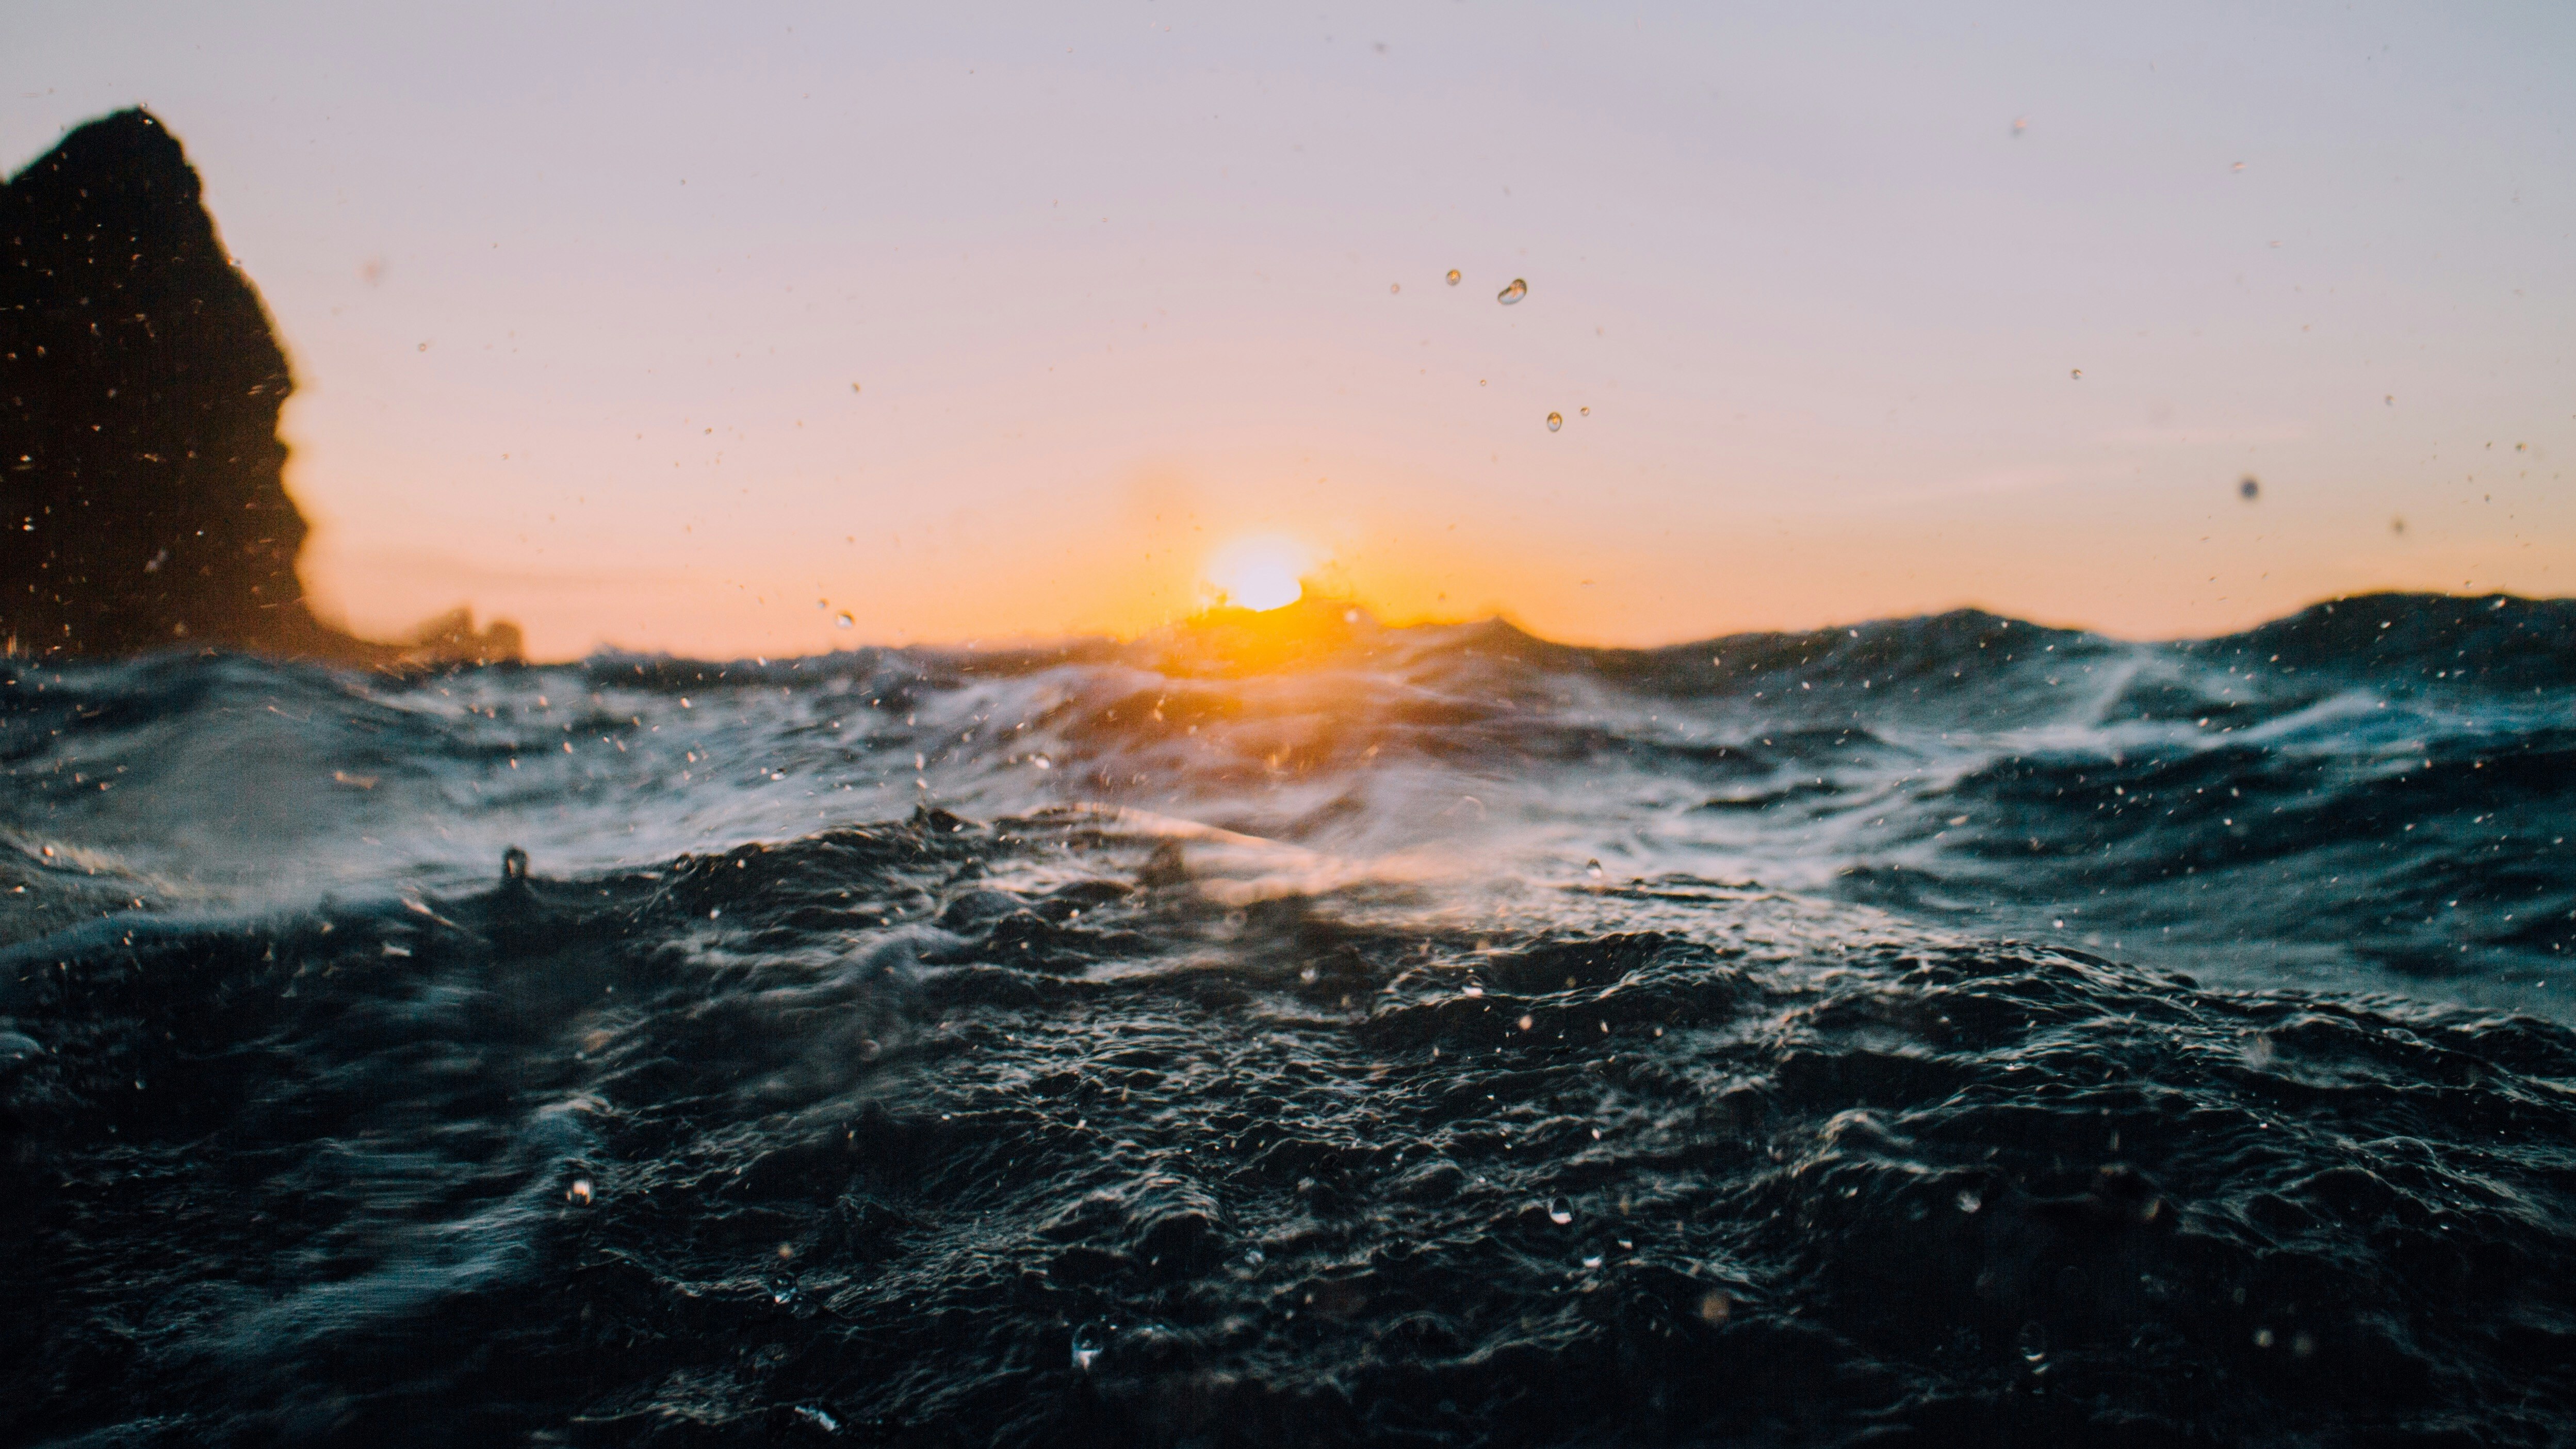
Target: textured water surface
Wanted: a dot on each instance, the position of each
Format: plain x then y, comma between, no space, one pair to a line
1291,1031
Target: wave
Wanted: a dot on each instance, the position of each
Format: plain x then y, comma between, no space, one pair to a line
1010,1132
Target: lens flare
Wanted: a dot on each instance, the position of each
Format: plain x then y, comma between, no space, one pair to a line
1258,573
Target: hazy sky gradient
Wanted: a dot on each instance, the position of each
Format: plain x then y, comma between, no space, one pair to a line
1114,282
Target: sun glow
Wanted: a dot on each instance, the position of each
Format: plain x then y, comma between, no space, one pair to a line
1258,573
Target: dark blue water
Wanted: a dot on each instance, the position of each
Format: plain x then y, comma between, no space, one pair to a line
1291,1031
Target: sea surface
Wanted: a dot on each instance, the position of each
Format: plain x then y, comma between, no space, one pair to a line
1289,1030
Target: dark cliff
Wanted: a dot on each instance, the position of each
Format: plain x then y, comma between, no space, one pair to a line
140,384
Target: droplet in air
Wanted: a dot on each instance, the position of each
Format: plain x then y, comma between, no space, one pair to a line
2397,526
1454,276
579,1192
1394,287
1555,421
2249,490
2020,124
1586,412
1592,1262
1089,1342
1513,293
2076,373
1970,1200
1560,1212
1592,868
854,387
2239,166
844,621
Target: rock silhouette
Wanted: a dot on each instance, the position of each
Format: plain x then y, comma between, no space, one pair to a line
140,384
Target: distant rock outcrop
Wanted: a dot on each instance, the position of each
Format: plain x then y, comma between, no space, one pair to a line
140,385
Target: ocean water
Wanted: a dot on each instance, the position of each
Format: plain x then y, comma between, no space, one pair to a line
1292,1030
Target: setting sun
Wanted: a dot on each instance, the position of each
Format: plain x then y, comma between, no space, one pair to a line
1259,573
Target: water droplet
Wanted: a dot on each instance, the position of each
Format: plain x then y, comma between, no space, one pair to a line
1592,1262
2249,490
1560,1212
1970,1200
1527,1022
1592,868
580,1192
1587,412
1090,1341
782,1288
1473,989
1454,276
1555,421
1253,1257
2033,1342
1513,293
2076,373
844,621
1394,287
854,387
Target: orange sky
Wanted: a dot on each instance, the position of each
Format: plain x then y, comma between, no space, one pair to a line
578,303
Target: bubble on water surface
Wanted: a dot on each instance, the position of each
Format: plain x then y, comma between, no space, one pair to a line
1089,1342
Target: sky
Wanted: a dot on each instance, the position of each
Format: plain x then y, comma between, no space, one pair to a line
691,328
